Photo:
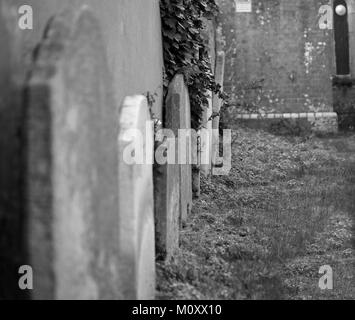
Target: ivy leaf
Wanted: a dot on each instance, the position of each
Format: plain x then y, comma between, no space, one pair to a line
186,50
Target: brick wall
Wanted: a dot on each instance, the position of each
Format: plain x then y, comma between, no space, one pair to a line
281,43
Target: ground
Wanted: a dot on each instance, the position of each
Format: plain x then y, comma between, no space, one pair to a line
263,232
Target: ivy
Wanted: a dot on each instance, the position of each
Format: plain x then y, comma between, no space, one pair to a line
186,50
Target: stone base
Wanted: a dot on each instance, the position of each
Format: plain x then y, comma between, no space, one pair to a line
322,122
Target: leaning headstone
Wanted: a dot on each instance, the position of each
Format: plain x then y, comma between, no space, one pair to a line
166,201
71,164
178,116
136,204
217,104
206,138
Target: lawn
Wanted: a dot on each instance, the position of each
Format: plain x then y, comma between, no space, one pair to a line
263,232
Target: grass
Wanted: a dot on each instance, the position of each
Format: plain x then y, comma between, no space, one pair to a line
286,209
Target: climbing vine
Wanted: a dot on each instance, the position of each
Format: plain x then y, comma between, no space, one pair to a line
186,50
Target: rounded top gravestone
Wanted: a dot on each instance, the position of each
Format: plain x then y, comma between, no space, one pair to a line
136,204
71,161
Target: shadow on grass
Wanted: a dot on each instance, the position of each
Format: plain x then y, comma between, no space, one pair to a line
264,231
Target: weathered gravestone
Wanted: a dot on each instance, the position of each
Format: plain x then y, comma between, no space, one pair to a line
71,163
206,138
178,117
166,201
136,204
209,33
217,104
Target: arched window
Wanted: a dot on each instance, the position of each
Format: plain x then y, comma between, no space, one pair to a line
341,36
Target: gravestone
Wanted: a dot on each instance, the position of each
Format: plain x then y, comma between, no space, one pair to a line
167,202
178,116
136,204
71,165
217,103
206,138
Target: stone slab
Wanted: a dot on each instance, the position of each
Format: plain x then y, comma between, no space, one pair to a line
136,200
71,164
217,103
167,206
178,116
323,122
206,137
